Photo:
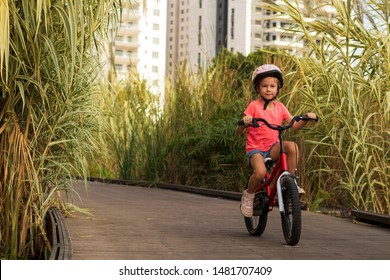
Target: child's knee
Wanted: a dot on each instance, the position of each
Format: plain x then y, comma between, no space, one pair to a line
292,148
259,175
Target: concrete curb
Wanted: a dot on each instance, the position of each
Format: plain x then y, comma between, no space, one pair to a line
370,217
58,235
184,188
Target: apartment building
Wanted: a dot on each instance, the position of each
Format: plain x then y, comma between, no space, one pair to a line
196,32
166,35
140,41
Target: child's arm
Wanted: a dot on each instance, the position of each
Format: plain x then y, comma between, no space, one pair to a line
301,124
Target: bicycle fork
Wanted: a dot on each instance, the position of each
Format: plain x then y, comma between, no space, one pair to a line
279,190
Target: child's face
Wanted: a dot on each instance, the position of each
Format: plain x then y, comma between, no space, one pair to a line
268,87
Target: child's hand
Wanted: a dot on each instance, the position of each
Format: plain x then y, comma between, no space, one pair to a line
247,120
312,115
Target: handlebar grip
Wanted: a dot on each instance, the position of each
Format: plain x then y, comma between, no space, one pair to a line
306,118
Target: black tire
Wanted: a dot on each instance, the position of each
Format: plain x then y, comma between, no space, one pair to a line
257,223
292,216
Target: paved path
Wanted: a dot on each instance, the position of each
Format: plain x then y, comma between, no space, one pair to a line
138,223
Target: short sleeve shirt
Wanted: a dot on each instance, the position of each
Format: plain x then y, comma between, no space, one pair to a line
262,138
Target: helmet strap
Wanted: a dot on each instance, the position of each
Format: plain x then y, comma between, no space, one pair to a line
268,101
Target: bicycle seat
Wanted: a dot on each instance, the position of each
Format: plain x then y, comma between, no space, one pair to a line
269,163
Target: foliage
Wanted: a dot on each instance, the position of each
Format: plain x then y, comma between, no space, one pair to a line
49,114
133,135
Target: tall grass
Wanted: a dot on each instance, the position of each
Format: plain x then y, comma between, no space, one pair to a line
49,114
344,78
134,134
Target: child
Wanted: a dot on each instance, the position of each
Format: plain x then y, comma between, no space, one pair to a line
262,141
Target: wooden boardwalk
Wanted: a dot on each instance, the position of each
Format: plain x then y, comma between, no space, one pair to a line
139,223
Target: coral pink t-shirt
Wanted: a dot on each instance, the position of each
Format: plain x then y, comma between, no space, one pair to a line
262,138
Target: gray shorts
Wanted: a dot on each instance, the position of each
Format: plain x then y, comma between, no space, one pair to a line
265,154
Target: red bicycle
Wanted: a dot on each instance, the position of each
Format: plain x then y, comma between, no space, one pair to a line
277,181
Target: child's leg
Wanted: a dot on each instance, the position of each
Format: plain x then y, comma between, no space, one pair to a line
292,156
257,163
259,170
292,160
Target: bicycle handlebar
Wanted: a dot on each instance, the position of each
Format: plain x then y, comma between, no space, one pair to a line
278,127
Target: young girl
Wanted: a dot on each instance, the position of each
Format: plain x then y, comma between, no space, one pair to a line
262,141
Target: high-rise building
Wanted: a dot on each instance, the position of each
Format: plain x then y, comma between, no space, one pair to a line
192,33
160,38
198,30
140,41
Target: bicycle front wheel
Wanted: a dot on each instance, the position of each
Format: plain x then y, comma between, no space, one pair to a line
292,217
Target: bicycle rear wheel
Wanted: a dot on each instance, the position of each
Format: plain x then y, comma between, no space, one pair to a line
292,217
257,223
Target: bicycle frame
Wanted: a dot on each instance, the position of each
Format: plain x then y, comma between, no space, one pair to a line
280,169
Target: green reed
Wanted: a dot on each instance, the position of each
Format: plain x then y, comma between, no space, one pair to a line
49,115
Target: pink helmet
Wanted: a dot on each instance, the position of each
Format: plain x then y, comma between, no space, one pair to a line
267,70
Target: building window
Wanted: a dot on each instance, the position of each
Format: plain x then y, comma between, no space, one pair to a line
155,54
155,69
200,4
232,24
285,38
156,26
200,31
